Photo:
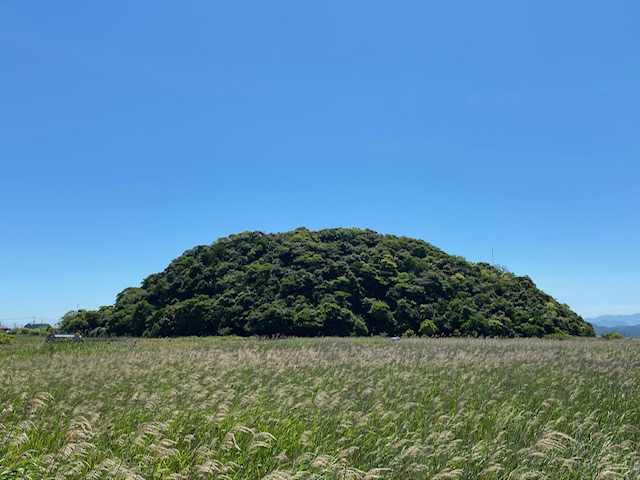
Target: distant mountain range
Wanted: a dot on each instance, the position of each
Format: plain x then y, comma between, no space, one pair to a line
625,325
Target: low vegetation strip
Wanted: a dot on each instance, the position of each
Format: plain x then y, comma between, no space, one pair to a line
330,408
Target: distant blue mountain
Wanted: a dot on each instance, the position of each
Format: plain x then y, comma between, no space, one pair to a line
625,325
615,320
629,331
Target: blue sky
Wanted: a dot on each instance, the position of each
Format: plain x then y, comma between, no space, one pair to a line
133,131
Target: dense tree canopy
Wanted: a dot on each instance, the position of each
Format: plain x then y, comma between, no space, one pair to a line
332,282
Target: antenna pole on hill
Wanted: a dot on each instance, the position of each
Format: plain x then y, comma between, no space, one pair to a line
492,256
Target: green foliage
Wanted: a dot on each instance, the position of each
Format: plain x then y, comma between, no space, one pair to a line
5,339
338,282
381,316
34,332
428,328
91,323
611,336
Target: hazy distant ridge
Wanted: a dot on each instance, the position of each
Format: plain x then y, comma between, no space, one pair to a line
615,320
625,325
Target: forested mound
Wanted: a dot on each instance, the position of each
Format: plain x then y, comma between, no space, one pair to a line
332,282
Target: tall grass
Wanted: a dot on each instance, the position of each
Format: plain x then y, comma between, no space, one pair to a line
321,409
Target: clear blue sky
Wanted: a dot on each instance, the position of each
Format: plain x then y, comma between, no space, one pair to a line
133,131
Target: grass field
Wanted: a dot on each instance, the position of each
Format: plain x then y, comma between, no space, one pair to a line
320,409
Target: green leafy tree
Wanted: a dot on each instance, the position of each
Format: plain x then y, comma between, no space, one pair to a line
73,321
195,316
428,328
308,322
382,319
270,319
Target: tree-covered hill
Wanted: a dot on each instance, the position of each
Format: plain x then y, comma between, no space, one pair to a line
332,282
